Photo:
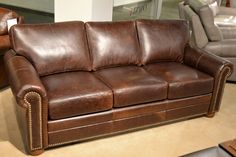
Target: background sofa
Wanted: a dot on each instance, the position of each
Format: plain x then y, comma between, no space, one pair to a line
213,28
5,14
74,81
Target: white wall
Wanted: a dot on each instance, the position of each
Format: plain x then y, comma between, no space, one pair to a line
102,10
83,10
40,5
67,10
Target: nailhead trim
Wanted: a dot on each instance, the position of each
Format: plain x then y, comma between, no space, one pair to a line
30,119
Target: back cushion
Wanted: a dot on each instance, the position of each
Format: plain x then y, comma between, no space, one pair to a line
206,11
198,36
113,43
52,48
5,15
162,40
207,18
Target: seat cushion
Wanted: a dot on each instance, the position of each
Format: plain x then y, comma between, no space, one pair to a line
224,48
183,81
133,85
113,43
76,93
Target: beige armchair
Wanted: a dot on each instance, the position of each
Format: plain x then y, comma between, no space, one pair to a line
213,28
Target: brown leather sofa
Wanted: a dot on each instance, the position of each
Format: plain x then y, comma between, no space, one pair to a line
74,81
5,14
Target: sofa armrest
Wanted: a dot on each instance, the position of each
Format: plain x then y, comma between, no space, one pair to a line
23,77
217,67
31,98
206,62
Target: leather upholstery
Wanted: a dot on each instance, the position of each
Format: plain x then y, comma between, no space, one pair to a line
228,32
4,44
3,76
64,103
5,14
198,35
227,11
125,118
227,20
53,54
206,15
76,93
207,18
31,96
225,48
113,44
206,62
183,81
129,111
21,69
213,65
135,88
153,36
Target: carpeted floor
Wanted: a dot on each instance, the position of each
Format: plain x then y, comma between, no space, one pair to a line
164,141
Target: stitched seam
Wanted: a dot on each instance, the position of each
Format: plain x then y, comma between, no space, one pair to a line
199,60
13,38
218,87
168,121
30,120
107,84
86,36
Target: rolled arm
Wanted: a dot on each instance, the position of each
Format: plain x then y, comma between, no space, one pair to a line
23,77
31,99
217,67
206,62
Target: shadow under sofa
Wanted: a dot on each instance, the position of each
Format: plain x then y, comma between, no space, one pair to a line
74,81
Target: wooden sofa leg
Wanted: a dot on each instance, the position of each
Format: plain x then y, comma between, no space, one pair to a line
210,115
36,152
